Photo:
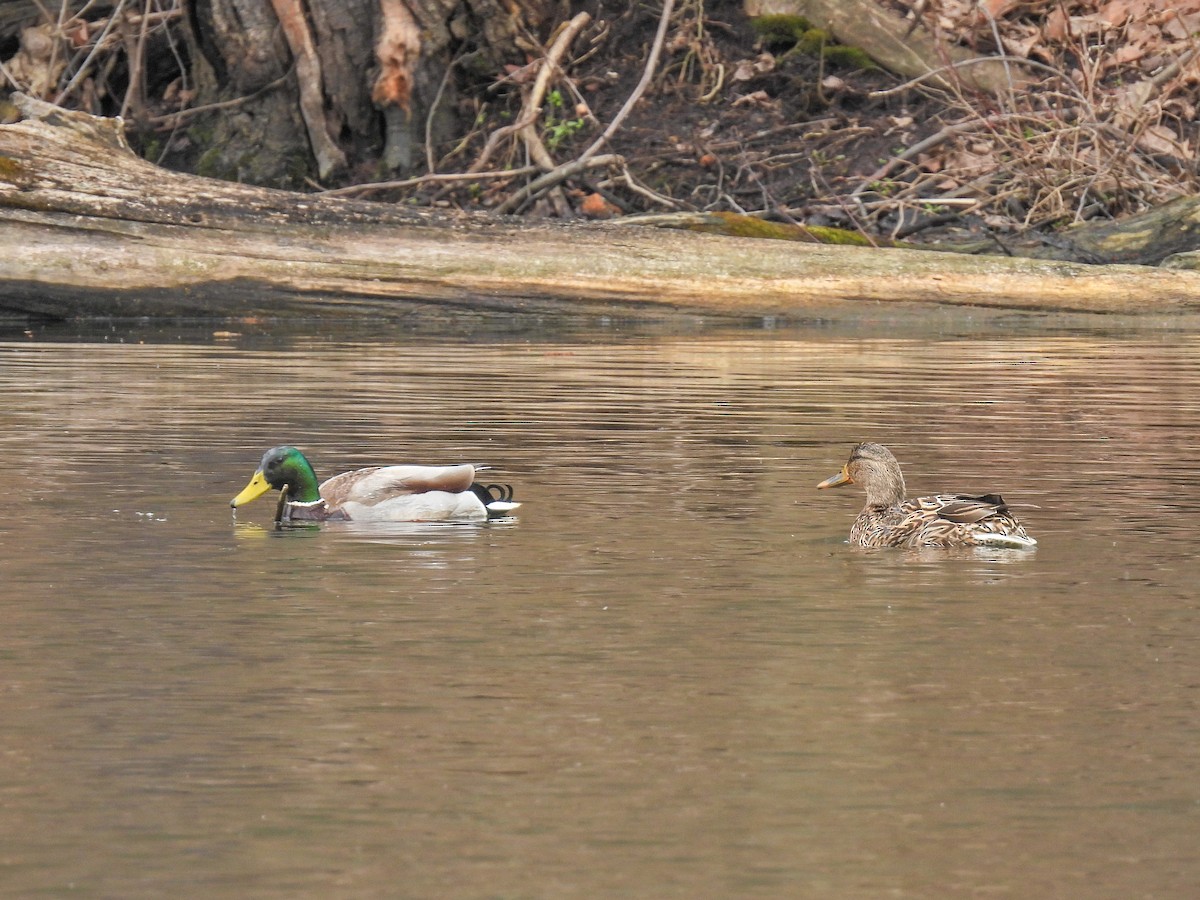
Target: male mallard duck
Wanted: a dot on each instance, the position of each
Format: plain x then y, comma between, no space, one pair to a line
943,520
375,494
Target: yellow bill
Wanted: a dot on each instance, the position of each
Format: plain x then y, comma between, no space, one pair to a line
842,477
256,488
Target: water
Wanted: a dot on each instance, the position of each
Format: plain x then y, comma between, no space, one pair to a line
669,677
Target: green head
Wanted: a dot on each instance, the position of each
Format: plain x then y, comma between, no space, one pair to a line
282,467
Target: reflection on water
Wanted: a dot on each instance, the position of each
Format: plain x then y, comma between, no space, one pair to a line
668,676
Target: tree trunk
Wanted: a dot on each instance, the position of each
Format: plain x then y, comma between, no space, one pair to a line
327,84
240,54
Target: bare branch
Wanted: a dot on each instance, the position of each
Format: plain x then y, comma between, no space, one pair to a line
647,75
556,177
432,178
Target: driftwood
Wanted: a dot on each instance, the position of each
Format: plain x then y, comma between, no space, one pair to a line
1149,238
89,229
892,43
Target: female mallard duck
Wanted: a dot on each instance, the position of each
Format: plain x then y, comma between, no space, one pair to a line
943,520
375,494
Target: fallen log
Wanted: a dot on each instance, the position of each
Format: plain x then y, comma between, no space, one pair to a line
1146,239
895,45
90,230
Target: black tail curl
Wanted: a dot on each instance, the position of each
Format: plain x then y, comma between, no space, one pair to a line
490,493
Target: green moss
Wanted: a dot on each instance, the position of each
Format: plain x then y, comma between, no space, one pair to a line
795,34
812,42
736,225
780,30
826,235
748,226
848,57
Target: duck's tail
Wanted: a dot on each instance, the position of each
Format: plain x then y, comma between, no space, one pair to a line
497,499
1008,541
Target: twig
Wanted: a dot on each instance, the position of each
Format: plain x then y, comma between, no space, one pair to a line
135,53
845,208
499,135
8,77
541,84
556,177
917,10
1008,74
532,107
647,76
59,29
630,182
171,119
933,73
932,141
185,85
597,43
430,162
716,88
1173,68
83,67
529,136
432,178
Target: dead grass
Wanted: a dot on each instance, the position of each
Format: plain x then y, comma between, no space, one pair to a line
1110,131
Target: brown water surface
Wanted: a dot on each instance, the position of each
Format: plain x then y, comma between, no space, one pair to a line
668,677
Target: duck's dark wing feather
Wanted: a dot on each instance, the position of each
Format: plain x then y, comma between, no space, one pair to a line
965,509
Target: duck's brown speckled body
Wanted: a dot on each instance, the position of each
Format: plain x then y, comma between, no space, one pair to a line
889,519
